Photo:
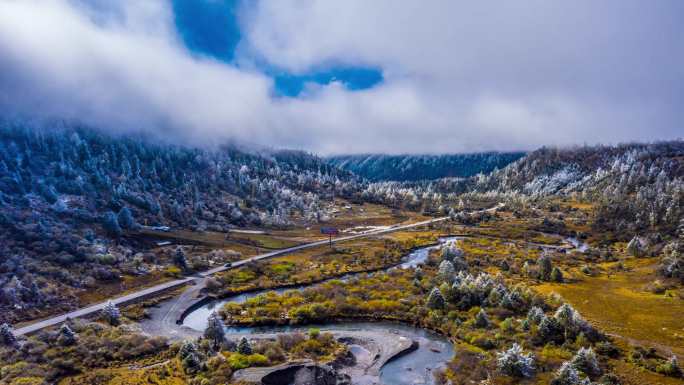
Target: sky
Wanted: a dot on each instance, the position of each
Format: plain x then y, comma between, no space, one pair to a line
351,76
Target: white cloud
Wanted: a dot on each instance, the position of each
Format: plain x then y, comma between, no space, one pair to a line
459,76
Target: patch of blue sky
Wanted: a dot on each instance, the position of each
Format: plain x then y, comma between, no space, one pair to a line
353,78
210,27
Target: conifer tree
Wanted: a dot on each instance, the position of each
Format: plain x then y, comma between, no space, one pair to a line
481,319
186,349
126,220
585,360
244,347
111,313
7,335
545,267
111,224
214,331
436,300
66,335
567,375
513,362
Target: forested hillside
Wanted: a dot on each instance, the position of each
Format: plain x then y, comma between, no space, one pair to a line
378,167
634,187
67,194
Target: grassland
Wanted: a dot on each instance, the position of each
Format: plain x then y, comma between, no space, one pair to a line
319,263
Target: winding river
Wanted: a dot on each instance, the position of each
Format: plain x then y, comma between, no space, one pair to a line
197,319
413,368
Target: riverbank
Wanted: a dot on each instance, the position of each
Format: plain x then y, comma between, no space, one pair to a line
370,350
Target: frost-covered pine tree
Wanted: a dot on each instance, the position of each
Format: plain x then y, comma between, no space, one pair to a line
550,329
126,220
446,271
511,301
436,300
481,319
214,331
192,363
66,335
514,362
568,375
244,347
7,335
460,264
565,315
179,258
186,349
535,315
111,225
545,267
635,247
111,313
672,264
496,295
450,251
585,361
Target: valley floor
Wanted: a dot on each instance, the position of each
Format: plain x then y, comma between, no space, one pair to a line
643,326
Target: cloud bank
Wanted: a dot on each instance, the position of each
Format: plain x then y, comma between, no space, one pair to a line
457,76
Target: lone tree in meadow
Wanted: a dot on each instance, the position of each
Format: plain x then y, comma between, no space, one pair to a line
111,313
214,331
436,300
556,275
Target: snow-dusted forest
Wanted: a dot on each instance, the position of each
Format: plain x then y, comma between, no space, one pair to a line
380,167
67,193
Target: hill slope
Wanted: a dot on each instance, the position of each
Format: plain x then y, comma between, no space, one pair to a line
67,194
377,167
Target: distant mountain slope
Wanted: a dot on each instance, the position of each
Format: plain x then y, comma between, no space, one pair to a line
633,187
378,167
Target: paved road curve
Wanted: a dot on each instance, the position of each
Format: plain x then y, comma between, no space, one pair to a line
150,291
